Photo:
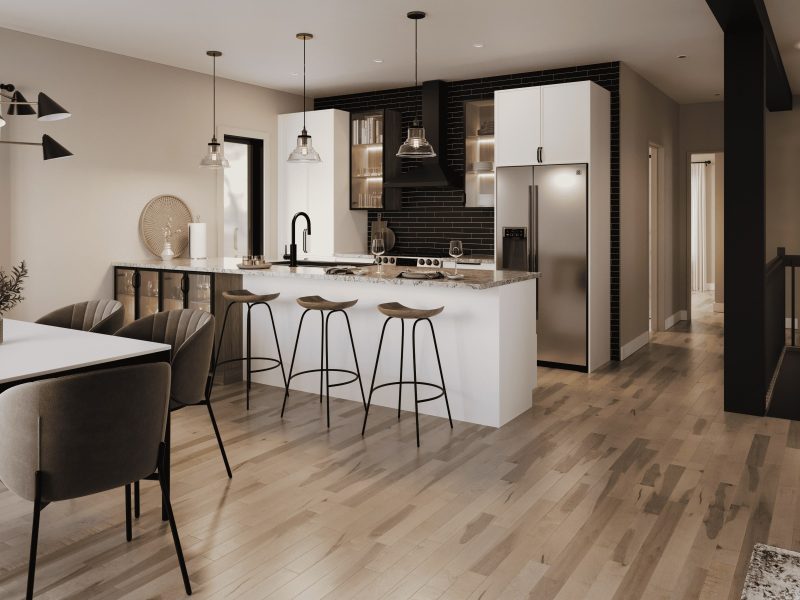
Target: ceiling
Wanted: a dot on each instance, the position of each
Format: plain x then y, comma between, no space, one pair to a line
257,38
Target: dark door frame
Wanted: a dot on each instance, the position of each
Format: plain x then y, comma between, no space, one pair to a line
255,190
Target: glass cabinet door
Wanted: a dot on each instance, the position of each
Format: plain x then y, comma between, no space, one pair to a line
126,292
148,293
172,291
200,291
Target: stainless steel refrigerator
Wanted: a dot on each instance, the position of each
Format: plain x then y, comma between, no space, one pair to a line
541,226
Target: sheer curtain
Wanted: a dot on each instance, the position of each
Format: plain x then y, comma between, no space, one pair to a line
698,218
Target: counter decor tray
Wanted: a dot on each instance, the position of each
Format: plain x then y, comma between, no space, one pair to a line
254,267
420,275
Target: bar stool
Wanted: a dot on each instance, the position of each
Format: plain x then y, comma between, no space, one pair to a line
251,300
321,304
395,310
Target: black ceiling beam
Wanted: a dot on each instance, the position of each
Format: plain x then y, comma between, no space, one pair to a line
741,14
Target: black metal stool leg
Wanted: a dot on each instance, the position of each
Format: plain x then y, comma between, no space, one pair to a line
249,359
128,524
414,361
441,373
137,508
277,343
321,354
291,365
219,346
374,373
219,438
355,358
326,339
400,387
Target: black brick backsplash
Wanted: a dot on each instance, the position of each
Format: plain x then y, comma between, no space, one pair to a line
431,217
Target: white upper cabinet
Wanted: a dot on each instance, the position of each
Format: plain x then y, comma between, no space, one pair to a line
517,126
320,189
565,123
547,124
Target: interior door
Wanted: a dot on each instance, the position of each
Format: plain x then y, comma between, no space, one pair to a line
517,126
565,123
559,220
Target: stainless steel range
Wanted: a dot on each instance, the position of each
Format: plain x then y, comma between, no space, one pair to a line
411,261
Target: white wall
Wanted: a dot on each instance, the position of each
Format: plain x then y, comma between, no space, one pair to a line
138,129
647,116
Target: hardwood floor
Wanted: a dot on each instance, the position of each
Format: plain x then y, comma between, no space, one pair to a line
629,483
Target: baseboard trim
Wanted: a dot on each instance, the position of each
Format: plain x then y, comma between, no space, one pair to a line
635,344
719,307
679,316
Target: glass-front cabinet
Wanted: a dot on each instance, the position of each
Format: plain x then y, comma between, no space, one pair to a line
172,297
479,153
147,293
199,291
124,284
374,137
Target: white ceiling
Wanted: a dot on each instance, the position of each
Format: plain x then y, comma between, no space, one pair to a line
257,38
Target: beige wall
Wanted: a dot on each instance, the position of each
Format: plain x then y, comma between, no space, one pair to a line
647,117
783,180
138,130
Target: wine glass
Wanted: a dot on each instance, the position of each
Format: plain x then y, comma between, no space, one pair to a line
378,248
456,251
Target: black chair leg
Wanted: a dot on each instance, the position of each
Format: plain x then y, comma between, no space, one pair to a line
137,508
355,359
219,438
164,467
37,509
249,359
174,529
219,347
441,373
400,386
414,361
374,373
291,365
128,524
326,339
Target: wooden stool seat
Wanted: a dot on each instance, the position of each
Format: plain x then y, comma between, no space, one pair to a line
320,303
248,296
398,311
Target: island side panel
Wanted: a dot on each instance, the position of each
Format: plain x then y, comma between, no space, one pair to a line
518,349
467,332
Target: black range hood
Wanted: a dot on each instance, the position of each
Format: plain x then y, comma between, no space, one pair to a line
431,172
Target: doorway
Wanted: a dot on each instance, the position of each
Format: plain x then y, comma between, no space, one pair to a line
705,228
243,197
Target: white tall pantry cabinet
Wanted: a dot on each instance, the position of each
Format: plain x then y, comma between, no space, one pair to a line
560,124
320,189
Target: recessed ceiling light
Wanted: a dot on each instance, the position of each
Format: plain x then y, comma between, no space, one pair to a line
377,60
477,45
681,56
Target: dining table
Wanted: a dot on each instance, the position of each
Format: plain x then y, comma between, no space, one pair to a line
32,351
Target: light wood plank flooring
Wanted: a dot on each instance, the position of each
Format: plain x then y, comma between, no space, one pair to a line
630,483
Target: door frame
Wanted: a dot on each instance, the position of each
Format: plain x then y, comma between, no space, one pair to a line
655,195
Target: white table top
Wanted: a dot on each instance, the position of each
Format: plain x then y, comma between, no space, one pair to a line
30,350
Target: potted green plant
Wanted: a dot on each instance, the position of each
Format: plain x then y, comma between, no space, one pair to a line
11,290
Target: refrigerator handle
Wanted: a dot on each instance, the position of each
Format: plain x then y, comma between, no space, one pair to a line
534,227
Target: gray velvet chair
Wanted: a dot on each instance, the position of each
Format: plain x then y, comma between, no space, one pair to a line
73,436
191,334
97,316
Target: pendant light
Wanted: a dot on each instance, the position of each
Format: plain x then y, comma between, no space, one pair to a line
416,146
215,159
304,152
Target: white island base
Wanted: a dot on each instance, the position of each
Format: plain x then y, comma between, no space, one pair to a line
486,337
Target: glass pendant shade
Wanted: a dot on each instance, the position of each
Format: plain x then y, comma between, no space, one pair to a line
416,146
304,151
215,158
20,106
50,110
52,149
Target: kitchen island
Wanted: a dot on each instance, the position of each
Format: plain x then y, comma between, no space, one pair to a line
486,334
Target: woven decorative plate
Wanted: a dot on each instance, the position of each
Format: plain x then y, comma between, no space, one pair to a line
156,216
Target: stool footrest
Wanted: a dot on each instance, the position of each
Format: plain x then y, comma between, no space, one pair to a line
425,383
353,373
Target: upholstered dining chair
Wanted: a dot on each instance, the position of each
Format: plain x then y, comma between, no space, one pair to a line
190,332
73,436
96,316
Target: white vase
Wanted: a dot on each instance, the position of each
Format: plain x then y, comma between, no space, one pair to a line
167,253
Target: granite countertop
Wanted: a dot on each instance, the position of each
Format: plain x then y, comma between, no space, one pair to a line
473,279
773,574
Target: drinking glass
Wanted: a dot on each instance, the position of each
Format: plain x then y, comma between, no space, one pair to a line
456,251
378,248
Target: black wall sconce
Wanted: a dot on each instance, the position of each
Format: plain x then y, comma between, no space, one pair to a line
49,110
